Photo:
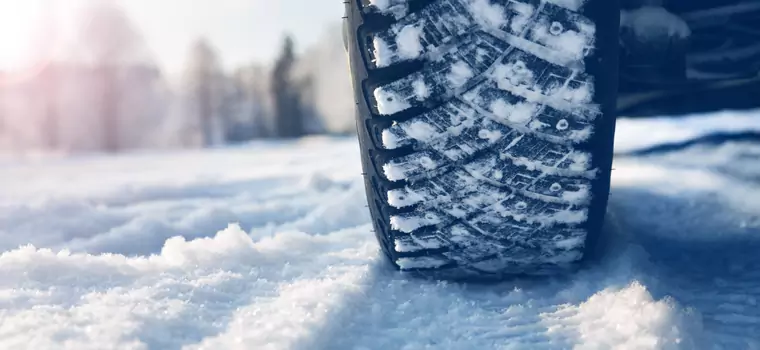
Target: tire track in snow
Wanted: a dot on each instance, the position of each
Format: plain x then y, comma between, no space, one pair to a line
701,232
602,307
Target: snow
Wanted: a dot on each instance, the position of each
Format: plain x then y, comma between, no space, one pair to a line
581,161
459,74
269,246
523,14
407,263
396,7
421,90
488,14
410,223
383,53
409,42
394,172
491,135
570,42
574,196
405,245
520,113
390,140
403,198
652,22
519,80
666,130
573,5
382,5
420,130
389,102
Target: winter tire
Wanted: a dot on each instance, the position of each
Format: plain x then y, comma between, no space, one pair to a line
486,130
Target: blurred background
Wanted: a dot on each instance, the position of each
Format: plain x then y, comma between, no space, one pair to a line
116,75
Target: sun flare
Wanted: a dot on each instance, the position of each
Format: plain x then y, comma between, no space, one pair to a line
32,30
19,23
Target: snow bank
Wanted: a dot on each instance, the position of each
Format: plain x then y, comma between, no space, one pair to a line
634,134
188,291
630,318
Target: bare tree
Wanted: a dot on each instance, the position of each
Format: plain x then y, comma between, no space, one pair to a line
286,94
311,119
331,93
109,42
204,76
253,84
262,103
2,103
50,123
48,78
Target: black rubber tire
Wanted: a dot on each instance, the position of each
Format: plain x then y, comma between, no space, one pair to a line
474,165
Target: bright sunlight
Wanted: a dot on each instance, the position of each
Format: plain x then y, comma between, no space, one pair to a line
32,30
20,24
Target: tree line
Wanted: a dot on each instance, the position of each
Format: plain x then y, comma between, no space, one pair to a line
112,97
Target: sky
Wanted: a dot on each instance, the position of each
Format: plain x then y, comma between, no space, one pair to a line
241,30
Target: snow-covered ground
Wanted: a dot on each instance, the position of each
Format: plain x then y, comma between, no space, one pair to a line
269,246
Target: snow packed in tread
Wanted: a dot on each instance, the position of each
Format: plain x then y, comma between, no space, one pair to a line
497,151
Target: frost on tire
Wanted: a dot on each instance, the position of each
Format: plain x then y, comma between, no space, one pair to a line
486,166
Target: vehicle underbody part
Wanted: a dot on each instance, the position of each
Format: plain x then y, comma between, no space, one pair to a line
689,57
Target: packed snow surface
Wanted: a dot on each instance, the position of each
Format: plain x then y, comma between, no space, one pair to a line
269,246
651,22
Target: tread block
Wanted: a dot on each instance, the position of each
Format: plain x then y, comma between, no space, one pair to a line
442,77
